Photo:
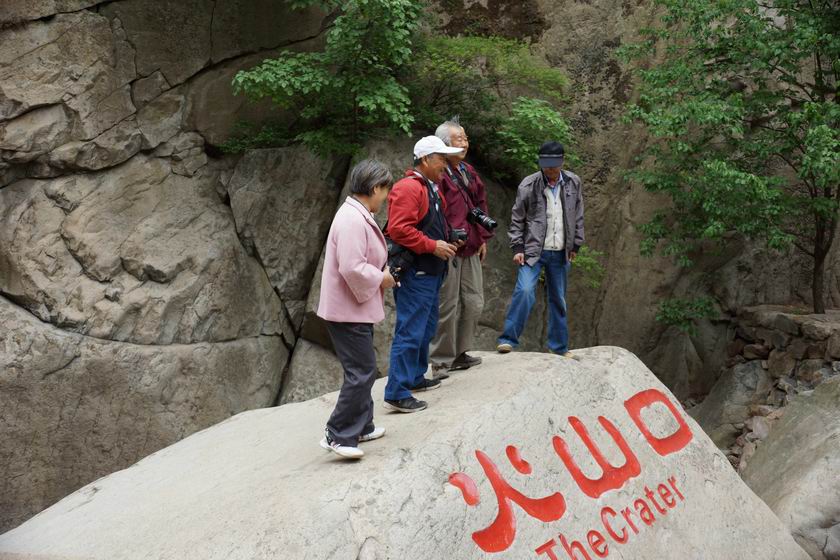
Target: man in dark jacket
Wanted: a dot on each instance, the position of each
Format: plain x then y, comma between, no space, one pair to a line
546,232
462,293
416,221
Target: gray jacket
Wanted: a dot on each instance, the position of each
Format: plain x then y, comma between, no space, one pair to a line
528,218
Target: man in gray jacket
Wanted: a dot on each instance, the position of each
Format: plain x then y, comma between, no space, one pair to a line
546,231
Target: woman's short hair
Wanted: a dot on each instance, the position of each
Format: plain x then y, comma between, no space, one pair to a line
368,174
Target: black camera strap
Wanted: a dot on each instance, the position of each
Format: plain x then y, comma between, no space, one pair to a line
461,187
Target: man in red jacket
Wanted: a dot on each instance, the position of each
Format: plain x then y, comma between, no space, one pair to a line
416,221
462,293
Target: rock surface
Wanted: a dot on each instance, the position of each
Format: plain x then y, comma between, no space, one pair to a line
74,408
238,490
313,371
283,202
729,402
795,471
134,254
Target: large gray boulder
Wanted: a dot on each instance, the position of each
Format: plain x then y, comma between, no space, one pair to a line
313,371
283,202
15,11
134,253
795,471
74,70
74,408
729,402
258,485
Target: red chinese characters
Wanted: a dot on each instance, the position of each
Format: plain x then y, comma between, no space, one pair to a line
500,534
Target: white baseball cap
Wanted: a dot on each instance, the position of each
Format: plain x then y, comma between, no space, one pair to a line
433,145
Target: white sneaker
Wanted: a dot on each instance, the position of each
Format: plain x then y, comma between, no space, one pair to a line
504,348
342,450
375,434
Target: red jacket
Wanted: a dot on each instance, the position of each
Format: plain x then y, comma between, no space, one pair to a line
408,203
458,206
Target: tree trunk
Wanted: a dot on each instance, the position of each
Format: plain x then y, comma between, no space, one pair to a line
817,282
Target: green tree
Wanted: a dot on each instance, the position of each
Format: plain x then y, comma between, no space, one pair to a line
508,97
351,89
744,110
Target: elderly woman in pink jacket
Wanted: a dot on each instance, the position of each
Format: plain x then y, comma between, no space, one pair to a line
352,300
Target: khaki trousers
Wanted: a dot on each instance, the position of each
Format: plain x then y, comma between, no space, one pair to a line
461,302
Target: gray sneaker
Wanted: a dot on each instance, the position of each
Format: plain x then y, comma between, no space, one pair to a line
464,361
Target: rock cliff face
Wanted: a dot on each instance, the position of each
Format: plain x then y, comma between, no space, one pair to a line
150,287
140,298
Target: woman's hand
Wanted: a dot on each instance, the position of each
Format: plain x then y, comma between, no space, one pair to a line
388,280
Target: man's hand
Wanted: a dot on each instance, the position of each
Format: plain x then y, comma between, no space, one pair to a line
388,280
482,252
444,250
572,256
519,258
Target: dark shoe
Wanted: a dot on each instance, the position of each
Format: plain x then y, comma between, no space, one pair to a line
439,371
409,404
464,361
426,385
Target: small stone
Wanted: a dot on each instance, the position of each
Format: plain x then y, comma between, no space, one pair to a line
734,361
749,451
739,426
774,338
781,363
785,324
833,347
760,410
756,351
765,364
776,414
797,348
785,386
735,347
745,332
816,350
759,427
810,371
817,328
113,293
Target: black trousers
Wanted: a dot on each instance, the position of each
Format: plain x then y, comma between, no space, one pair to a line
353,414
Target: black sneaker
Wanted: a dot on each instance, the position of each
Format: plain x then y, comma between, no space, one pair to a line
426,385
439,371
464,361
409,404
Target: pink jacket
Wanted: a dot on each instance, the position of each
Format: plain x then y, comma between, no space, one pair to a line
356,254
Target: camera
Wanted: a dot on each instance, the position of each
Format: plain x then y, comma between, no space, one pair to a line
457,234
477,216
400,259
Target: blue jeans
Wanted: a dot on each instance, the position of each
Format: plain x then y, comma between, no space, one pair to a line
524,295
417,318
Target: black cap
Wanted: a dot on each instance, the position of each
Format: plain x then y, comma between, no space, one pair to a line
551,154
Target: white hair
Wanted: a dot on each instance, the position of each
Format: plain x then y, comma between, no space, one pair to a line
444,131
